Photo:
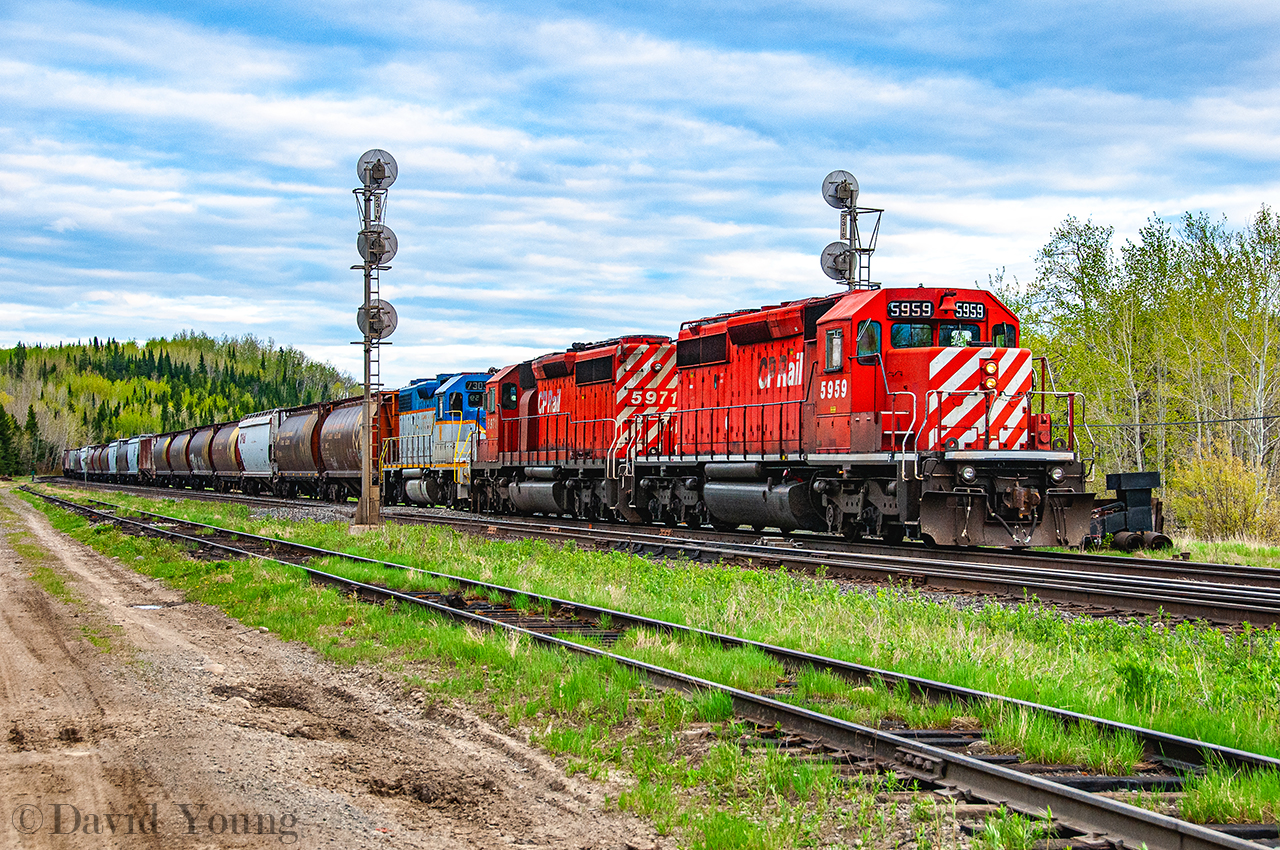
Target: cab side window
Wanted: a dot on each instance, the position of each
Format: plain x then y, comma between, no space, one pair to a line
835,350
1004,336
510,397
868,338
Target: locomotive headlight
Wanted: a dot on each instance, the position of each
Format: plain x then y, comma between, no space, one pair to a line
990,383
990,367
1057,474
968,474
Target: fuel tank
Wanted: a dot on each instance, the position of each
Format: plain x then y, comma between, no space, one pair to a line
545,497
784,506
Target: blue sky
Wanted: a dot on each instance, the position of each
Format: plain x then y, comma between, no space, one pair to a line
573,170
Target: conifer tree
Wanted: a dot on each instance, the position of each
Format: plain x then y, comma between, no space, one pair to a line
32,434
8,445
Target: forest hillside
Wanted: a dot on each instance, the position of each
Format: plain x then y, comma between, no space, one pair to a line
71,394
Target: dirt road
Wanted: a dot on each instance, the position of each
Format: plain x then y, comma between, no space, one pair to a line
193,731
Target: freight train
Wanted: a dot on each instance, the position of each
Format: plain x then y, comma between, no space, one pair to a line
873,412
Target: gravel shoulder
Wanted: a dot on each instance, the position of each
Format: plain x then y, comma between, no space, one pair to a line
194,731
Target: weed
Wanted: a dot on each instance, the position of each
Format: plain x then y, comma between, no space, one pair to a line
1006,830
924,809
54,585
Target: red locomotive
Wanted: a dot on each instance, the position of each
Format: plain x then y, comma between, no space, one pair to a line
558,428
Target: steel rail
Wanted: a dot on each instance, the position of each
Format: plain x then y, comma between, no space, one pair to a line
1192,600
1178,750
1081,811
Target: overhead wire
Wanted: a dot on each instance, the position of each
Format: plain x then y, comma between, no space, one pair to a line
1187,422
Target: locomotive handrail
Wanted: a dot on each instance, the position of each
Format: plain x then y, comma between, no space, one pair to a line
673,439
559,435
988,395
408,451
1070,397
933,406
910,432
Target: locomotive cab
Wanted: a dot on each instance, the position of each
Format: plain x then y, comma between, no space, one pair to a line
440,422
932,379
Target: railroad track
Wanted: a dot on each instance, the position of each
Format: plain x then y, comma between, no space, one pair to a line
930,757
1088,584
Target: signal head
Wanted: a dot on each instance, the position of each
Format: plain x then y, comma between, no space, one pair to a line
840,190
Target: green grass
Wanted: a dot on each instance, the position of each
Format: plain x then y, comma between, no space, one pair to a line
1189,680
54,585
1227,796
1235,552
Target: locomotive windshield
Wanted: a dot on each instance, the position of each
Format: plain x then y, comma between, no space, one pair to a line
914,335
953,334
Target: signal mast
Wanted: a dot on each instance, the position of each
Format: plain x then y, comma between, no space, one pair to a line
376,319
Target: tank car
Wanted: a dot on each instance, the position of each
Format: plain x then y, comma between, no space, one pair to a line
340,451
97,463
160,458
317,449
224,457
558,426
111,457
179,459
297,451
200,456
440,420
134,460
